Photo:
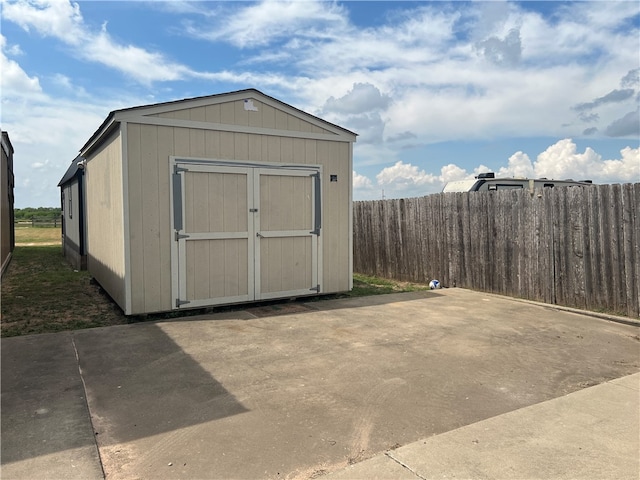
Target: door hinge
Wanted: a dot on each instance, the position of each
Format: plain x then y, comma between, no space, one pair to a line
253,210
179,302
316,288
180,236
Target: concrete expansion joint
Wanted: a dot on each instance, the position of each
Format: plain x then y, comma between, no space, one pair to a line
613,383
86,403
404,465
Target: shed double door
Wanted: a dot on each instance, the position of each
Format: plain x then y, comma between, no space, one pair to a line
245,233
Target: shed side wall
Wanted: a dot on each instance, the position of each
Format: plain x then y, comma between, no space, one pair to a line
71,212
149,149
105,218
7,239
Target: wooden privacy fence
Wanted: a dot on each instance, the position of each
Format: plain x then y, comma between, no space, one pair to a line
577,247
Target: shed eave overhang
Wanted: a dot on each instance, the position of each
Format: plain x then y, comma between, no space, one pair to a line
107,127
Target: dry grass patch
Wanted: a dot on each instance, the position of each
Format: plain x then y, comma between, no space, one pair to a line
27,235
42,293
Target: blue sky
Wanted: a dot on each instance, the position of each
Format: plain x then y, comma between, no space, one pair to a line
437,91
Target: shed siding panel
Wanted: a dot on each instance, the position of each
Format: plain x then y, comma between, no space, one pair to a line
198,114
241,146
255,119
255,148
286,150
212,113
71,212
268,116
105,218
310,152
196,143
181,141
241,115
165,146
212,144
281,120
71,217
6,204
274,153
234,113
151,217
227,113
136,215
149,227
227,146
335,225
182,114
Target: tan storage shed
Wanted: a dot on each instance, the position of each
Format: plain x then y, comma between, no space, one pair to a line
223,199
73,218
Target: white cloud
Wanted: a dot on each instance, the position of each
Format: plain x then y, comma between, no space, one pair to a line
451,172
562,160
450,93
272,20
135,62
13,50
361,109
361,182
41,165
62,19
59,19
404,179
363,97
625,169
13,77
507,51
46,134
519,165
46,131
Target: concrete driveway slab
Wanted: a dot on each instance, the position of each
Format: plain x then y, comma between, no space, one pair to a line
300,395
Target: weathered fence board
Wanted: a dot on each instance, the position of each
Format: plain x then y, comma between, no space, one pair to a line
578,247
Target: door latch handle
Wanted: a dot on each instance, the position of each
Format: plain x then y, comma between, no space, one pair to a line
259,235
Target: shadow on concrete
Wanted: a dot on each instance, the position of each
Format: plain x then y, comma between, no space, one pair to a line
139,379
43,402
138,383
